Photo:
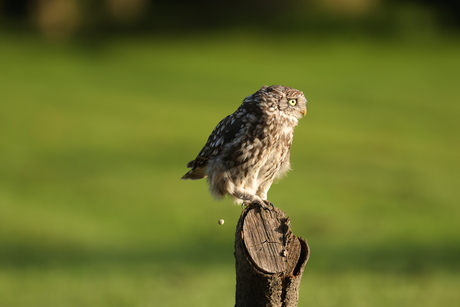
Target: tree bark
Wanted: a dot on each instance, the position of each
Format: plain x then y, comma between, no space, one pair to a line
270,259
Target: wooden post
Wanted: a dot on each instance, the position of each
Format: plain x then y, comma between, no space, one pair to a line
270,259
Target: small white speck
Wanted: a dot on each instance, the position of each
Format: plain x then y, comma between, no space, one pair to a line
221,222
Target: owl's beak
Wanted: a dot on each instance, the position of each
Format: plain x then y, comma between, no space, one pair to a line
304,112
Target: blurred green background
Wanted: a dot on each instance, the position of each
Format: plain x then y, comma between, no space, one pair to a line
103,104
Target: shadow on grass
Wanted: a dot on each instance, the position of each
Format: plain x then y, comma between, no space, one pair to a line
388,257
399,258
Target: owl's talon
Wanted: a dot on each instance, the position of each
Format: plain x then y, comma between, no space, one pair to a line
266,205
245,204
269,205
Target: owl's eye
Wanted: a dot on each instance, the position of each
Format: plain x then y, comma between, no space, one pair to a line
292,102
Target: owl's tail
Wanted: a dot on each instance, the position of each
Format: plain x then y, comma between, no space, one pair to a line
196,173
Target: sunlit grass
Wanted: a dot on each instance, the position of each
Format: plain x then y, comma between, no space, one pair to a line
94,141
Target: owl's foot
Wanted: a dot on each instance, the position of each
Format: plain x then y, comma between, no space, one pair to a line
245,204
249,198
268,205
265,204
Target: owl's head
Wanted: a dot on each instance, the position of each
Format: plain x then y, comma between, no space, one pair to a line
286,100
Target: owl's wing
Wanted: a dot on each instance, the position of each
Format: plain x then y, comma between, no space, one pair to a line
224,133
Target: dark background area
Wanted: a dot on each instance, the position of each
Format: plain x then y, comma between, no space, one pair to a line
68,18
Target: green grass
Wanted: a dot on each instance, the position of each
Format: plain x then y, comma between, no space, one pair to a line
94,139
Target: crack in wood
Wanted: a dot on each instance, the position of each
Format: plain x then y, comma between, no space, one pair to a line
270,259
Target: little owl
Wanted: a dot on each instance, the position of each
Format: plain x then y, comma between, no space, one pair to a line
250,148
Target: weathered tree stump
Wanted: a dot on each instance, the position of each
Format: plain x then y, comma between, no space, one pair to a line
270,259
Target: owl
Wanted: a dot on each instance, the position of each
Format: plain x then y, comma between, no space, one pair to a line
250,148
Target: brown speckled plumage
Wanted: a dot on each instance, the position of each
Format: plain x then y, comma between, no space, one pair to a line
250,148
